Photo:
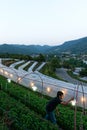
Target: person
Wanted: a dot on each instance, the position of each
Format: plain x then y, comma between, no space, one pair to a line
52,104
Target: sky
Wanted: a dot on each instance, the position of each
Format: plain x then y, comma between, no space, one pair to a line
42,22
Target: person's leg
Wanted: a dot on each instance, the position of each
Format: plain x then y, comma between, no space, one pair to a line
47,116
52,117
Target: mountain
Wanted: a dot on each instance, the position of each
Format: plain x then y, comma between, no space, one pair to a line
75,46
23,49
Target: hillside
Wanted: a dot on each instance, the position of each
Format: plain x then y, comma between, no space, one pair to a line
75,46
23,49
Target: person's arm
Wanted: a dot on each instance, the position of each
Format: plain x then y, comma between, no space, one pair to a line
66,102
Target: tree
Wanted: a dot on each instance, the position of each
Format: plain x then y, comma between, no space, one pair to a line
55,63
40,58
83,72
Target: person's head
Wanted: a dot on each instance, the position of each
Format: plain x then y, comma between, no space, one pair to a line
60,94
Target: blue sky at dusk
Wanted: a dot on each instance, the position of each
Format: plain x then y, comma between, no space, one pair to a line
42,22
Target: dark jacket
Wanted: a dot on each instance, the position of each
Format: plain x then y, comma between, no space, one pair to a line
52,104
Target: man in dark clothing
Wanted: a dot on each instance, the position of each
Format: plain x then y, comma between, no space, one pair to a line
52,104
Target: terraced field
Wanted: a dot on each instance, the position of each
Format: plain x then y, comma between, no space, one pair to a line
23,109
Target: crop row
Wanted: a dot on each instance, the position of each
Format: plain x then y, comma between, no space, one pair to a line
3,126
22,117
37,104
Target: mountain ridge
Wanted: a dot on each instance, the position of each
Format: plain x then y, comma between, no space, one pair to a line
74,46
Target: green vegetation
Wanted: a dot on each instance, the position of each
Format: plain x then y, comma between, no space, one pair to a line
26,109
47,70
39,58
50,67
71,47
72,63
22,117
16,56
23,108
83,72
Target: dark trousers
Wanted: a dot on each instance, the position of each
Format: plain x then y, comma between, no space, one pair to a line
50,116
